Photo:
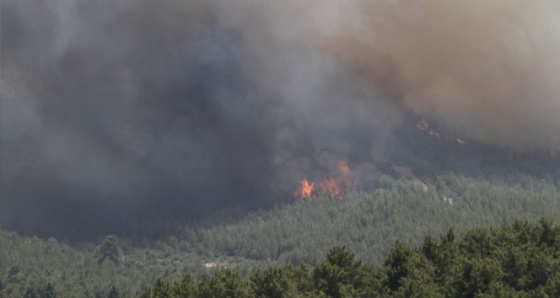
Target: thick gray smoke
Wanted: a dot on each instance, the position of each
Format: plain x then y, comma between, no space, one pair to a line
113,110
486,68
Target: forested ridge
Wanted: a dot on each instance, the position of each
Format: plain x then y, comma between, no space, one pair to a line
510,260
242,148
448,186
515,260
242,246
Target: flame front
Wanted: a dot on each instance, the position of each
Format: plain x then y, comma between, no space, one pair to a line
328,186
343,167
424,126
305,189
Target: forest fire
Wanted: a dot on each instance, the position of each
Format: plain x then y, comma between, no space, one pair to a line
305,189
343,167
425,126
327,187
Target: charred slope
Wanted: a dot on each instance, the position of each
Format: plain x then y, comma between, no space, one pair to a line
441,151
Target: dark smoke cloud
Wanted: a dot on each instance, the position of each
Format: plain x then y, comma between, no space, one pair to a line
488,68
116,110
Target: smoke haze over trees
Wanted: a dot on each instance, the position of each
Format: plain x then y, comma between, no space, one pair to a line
114,110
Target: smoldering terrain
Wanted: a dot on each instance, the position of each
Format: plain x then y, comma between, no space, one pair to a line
119,111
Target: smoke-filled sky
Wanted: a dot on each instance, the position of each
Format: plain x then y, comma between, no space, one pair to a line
111,108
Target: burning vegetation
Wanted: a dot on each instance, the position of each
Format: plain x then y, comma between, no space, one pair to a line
426,127
305,190
331,187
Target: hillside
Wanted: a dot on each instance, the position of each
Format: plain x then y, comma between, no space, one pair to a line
368,224
141,141
517,260
421,183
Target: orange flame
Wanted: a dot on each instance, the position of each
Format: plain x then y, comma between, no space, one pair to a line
424,125
343,167
305,189
329,186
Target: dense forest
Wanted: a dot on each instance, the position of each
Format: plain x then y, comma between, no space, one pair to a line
211,148
510,260
517,260
422,187
368,224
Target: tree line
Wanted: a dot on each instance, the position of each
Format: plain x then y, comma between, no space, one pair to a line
366,223
515,260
